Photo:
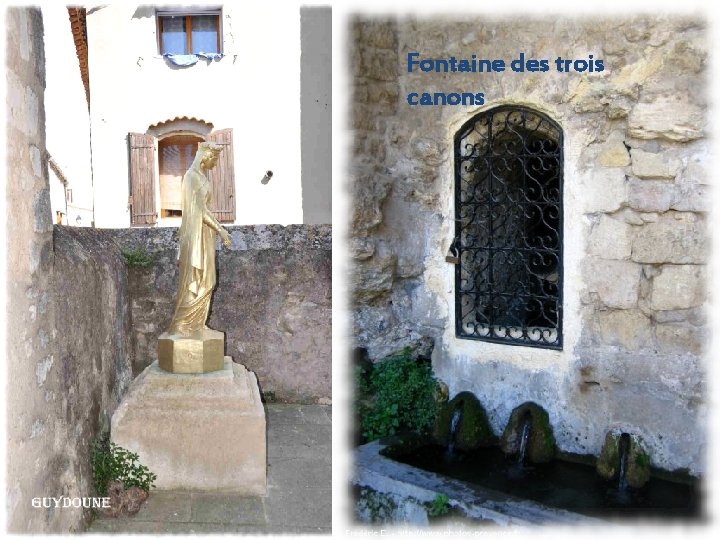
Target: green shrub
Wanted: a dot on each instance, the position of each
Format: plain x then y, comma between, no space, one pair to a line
112,462
362,382
137,257
439,506
397,393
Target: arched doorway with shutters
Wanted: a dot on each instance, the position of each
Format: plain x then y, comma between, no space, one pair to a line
159,158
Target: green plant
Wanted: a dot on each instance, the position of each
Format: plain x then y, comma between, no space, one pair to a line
399,393
439,506
137,257
112,462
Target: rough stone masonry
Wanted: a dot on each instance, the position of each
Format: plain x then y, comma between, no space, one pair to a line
635,209
273,301
68,360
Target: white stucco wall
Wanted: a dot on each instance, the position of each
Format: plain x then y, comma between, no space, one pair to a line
254,89
66,119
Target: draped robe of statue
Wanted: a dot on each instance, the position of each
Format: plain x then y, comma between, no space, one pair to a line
197,252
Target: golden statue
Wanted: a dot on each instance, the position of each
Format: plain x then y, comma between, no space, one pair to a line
190,346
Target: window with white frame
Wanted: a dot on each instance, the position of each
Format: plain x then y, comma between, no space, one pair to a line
194,32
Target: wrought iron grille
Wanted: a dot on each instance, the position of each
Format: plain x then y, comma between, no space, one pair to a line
508,228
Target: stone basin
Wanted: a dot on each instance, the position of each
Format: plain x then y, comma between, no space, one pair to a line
402,481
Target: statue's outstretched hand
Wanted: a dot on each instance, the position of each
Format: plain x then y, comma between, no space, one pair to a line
225,238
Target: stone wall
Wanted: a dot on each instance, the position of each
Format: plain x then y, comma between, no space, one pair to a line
30,321
67,314
273,301
635,204
71,387
90,369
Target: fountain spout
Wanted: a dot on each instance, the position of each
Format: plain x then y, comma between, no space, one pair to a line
623,451
454,423
524,436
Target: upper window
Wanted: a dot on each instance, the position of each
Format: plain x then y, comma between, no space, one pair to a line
189,33
508,209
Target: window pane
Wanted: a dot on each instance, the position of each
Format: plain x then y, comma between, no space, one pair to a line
204,34
171,173
174,39
176,156
190,150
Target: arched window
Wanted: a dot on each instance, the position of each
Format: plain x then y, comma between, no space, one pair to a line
167,149
508,228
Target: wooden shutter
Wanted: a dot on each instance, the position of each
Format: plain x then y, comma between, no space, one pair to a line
142,179
222,178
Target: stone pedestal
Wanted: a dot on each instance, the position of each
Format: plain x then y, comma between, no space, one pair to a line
200,353
196,432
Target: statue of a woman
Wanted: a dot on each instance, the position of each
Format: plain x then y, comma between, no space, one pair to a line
197,245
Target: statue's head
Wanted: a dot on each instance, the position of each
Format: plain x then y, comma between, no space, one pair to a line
210,152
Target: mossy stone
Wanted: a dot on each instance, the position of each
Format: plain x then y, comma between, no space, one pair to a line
541,443
638,462
609,459
638,472
473,429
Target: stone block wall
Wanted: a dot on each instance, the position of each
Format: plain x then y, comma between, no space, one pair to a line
635,210
394,176
273,301
30,320
67,314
